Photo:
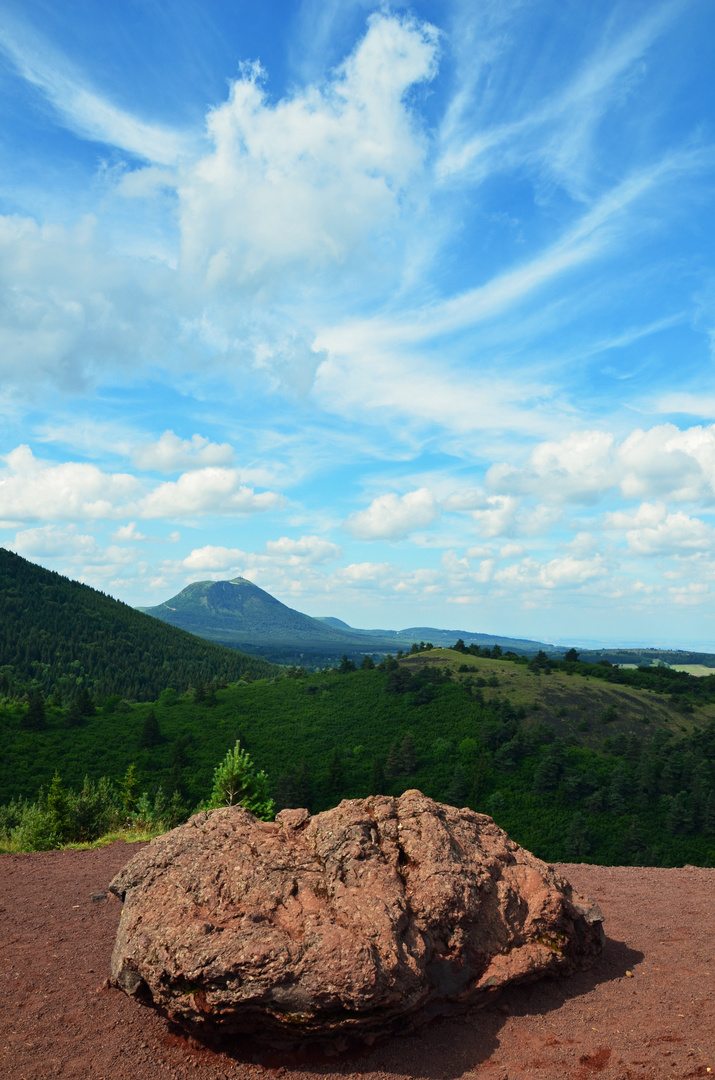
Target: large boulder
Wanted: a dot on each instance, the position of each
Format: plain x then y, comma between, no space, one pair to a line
361,920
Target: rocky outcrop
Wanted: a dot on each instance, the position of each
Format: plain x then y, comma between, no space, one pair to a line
361,920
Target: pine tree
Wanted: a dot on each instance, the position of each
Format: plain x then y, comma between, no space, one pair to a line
377,778
85,703
237,783
57,809
73,716
335,774
578,840
303,786
456,793
394,762
680,816
129,789
618,789
408,755
151,733
709,815
34,719
285,791
368,663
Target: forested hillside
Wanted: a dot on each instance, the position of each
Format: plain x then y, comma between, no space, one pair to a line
59,636
574,764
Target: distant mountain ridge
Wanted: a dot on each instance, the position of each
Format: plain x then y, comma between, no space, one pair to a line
240,614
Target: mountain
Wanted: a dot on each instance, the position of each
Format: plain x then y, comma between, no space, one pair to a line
238,613
59,634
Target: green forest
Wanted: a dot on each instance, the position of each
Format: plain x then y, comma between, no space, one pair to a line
62,637
576,761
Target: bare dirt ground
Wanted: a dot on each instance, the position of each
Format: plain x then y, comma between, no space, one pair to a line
57,1018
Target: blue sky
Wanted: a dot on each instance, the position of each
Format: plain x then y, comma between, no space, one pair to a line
404,312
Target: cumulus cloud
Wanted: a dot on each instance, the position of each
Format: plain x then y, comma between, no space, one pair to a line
206,491
312,549
392,517
360,574
691,594
316,183
50,541
675,533
558,573
663,462
172,454
305,180
500,517
284,553
213,557
128,532
31,489
578,467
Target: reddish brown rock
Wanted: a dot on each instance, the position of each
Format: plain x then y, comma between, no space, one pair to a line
361,920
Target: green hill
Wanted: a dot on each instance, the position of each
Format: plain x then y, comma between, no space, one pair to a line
575,760
59,635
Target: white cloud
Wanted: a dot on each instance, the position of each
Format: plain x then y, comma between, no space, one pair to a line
676,533
662,462
172,454
284,553
31,489
500,519
304,181
311,549
82,109
212,557
128,532
73,307
554,129
668,462
51,541
689,404
690,595
206,491
578,467
392,517
559,573
361,574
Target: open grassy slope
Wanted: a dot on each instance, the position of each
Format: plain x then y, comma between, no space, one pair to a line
582,707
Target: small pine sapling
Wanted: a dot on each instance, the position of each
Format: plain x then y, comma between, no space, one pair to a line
237,783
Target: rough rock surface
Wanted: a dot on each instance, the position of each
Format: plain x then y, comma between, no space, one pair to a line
367,918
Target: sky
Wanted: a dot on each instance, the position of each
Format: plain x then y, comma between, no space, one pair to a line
404,312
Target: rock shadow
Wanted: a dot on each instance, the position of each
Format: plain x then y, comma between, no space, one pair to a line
443,1049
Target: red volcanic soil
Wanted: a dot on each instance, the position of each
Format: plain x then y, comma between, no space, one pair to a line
58,1018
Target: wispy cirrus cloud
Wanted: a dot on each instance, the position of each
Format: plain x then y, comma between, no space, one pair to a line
81,107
